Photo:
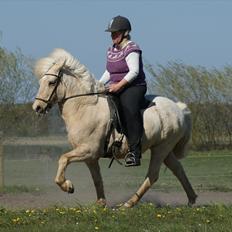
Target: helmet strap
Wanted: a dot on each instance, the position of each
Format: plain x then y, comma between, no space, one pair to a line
125,34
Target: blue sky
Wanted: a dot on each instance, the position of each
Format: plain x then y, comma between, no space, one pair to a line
193,32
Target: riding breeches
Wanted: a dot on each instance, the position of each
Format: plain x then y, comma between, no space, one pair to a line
131,100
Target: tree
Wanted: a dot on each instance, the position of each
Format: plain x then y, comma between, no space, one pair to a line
208,94
17,83
18,86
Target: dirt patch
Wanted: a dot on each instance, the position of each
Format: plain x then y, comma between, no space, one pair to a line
59,198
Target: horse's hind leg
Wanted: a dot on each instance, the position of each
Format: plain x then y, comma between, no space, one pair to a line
175,166
151,177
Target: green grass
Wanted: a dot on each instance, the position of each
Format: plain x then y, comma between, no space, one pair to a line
206,171
144,218
17,189
209,171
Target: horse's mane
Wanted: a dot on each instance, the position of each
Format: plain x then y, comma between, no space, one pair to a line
71,64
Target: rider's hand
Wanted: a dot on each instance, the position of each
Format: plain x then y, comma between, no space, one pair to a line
113,88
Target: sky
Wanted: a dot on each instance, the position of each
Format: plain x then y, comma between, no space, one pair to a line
194,32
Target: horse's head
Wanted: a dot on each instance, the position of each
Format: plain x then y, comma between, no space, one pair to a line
62,77
49,87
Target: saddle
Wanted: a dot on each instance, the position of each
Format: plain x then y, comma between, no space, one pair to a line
116,123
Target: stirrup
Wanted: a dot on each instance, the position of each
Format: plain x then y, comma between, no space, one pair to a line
130,160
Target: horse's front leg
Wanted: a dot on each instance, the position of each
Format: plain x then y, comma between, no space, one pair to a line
98,182
80,153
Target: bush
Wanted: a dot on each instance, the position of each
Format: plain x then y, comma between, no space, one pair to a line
208,94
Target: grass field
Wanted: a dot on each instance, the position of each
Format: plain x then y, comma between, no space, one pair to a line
207,171
145,218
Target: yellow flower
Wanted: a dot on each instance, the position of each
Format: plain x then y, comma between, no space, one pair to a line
16,220
96,228
158,215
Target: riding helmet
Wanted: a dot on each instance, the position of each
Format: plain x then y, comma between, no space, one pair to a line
119,23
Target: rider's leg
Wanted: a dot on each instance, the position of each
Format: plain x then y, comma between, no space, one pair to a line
131,100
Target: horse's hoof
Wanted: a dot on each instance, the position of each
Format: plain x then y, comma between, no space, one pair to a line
70,187
101,202
127,205
192,201
71,190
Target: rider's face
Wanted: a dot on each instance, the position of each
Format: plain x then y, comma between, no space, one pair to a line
116,37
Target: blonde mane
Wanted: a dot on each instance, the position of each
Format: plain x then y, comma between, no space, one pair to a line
71,64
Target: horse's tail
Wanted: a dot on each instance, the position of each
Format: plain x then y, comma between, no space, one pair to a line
181,147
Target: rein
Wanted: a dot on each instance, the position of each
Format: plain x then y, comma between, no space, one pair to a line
48,101
84,94
116,144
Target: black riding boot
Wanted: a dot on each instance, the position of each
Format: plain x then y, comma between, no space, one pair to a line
134,155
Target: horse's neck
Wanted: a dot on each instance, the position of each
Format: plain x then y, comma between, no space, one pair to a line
85,114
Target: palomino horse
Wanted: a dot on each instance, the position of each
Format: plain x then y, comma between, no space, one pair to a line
167,125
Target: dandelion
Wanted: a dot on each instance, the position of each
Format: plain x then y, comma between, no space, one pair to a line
158,215
16,220
96,228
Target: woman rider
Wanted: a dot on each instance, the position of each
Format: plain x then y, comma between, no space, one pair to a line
125,78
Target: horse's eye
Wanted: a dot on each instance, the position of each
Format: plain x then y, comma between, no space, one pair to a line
52,82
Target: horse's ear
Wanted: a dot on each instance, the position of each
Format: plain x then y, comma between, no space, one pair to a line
58,66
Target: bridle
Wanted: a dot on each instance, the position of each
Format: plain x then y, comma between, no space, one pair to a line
49,102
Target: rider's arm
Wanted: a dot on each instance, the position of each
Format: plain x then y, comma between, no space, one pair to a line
105,77
132,61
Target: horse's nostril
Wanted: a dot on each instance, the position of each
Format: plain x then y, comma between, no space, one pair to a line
38,109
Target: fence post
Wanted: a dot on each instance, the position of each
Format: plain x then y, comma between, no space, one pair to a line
1,162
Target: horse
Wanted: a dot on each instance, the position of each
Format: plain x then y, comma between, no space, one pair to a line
63,80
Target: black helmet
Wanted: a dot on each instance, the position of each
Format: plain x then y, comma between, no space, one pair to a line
119,23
